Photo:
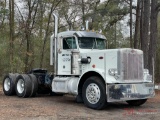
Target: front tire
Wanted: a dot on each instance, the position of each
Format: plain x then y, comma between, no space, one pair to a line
94,93
136,102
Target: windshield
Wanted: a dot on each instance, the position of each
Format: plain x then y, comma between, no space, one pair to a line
101,44
91,43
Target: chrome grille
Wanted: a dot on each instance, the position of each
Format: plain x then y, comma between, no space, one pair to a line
132,63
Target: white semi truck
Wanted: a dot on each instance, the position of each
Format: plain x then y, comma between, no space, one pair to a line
84,68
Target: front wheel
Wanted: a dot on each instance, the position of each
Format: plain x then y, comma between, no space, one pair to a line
136,102
94,93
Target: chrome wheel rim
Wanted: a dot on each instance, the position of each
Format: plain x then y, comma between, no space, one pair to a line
20,86
93,93
7,84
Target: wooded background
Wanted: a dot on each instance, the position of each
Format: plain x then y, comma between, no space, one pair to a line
26,27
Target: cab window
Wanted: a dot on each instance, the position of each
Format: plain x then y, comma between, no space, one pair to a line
69,43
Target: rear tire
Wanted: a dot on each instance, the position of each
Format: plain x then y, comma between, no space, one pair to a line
94,93
9,84
136,102
34,85
23,86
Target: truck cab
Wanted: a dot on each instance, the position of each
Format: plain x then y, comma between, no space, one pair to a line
87,69
72,46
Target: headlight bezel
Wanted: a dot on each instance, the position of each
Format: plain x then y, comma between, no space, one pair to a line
145,71
147,76
113,72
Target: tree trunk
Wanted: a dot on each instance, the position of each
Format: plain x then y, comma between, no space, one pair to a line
47,32
141,22
83,8
145,35
28,30
137,26
41,19
131,41
115,41
2,21
11,21
45,38
27,33
153,35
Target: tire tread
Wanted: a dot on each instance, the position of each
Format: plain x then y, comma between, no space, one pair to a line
102,103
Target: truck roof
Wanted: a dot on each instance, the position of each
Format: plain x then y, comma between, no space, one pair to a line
82,34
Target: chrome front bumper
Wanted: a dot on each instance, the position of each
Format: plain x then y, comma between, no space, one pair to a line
123,92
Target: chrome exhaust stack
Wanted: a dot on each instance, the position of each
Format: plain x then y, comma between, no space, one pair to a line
54,45
51,49
87,22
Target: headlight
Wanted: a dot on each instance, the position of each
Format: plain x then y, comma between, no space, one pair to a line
116,86
146,71
113,72
149,78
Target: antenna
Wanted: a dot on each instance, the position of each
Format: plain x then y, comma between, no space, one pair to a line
82,28
100,31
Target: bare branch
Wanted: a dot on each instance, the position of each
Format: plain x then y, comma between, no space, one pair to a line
34,16
127,2
107,3
19,12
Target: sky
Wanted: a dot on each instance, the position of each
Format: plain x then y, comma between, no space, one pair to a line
124,26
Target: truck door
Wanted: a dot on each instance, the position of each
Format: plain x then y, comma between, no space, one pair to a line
64,55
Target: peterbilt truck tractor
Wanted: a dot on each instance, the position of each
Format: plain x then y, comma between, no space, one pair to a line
83,67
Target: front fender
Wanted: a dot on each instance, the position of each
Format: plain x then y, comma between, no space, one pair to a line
99,71
106,77
93,72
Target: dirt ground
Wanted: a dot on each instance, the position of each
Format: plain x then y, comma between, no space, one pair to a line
45,107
